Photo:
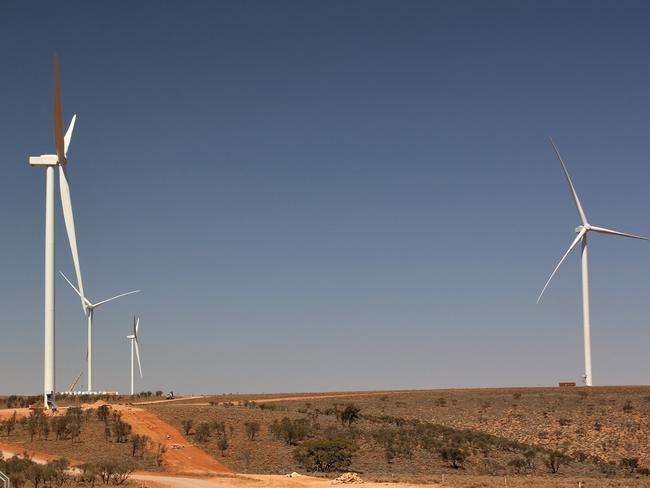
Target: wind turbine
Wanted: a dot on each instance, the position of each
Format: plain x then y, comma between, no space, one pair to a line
582,230
90,313
49,161
134,346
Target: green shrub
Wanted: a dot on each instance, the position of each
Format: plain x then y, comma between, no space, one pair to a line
252,428
455,456
203,432
290,431
325,455
350,414
187,425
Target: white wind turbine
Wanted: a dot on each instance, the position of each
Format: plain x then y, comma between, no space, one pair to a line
582,230
134,346
49,161
90,313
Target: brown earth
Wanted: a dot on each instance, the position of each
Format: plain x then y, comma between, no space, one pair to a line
180,457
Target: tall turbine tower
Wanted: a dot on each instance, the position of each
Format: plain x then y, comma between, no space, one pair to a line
134,347
582,230
49,161
90,313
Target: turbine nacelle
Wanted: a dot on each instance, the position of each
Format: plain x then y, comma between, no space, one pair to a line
44,160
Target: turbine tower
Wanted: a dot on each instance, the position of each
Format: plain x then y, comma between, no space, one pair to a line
134,346
90,313
582,230
49,161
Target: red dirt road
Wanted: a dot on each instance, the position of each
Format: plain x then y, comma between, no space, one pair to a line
185,458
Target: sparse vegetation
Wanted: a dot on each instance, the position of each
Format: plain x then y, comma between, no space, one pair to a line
325,455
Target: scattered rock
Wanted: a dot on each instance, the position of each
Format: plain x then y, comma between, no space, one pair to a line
347,478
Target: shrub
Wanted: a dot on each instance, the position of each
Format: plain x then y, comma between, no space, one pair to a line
103,412
139,444
518,465
325,455
252,428
161,449
350,414
629,463
223,444
187,426
9,425
291,431
555,460
121,430
218,427
203,432
455,456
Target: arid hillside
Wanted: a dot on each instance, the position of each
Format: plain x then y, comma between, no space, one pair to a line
419,435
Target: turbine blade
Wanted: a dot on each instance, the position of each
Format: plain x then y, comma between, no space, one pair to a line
611,232
573,244
68,135
137,354
88,304
137,327
57,115
576,200
134,320
68,216
115,297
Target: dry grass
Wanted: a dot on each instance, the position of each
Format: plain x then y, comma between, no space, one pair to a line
564,419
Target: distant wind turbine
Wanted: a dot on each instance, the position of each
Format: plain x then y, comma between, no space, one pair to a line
582,230
134,347
90,313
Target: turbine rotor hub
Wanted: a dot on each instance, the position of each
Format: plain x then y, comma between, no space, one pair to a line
585,227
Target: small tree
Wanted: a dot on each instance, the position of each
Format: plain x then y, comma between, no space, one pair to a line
187,426
121,430
252,429
10,424
325,455
138,445
35,474
555,460
203,432
223,444
350,414
454,456
291,431
161,449
629,463
103,412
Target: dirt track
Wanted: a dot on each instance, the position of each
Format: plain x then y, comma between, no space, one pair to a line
181,457
257,481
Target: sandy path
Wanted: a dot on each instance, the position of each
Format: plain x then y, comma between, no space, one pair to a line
258,481
9,450
153,481
186,459
164,400
6,413
327,396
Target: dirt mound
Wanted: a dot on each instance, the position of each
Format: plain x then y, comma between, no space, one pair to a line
348,478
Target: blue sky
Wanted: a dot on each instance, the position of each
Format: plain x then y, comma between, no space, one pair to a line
329,195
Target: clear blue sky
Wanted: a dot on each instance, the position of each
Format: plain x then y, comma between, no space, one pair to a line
329,195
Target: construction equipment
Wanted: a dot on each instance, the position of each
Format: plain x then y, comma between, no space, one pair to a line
74,383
